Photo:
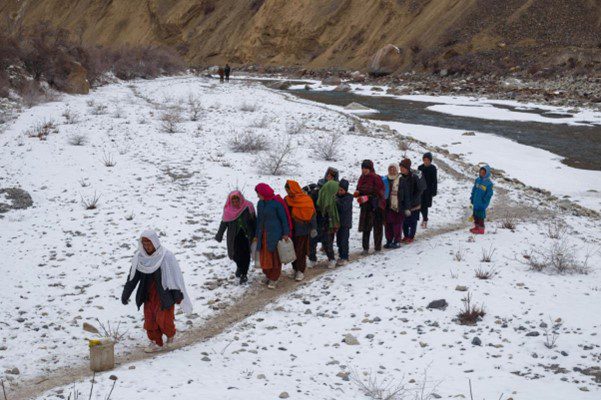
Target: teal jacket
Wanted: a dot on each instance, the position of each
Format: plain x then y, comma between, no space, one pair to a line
482,194
271,217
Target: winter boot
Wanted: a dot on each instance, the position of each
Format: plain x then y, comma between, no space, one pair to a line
299,276
480,230
243,279
272,284
474,230
388,245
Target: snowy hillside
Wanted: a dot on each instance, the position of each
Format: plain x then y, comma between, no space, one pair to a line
160,154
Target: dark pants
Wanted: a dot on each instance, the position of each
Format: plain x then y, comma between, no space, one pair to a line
327,241
393,226
241,254
479,222
342,238
376,223
424,212
301,248
410,225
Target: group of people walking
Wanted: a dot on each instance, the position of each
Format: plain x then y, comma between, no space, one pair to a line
322,213
319,213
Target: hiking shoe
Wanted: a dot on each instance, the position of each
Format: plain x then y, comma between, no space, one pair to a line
409,241
480,231
272,284
153,348
425,224
474,230
312,263
331,264
170,342
365,252
341,262
299,276
395,245
243,279
388,245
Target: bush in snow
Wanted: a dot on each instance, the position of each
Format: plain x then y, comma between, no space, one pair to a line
485,274
170,120
488,254
70,116
556,229
108,160
560,258
260,123
194,107
295,128
278,160
378,387
91,202
77,140
470,314
508,222
248,142
328,148
97,109
42,129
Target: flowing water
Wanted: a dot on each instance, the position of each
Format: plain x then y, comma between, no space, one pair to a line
579,145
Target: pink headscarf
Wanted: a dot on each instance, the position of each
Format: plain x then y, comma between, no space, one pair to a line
268,193
231,213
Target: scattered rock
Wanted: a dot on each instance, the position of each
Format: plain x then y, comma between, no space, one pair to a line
284,395
90,328
476,341
205,358
345,376
261,376
460,288
350,340
438,304
113,377
344,87
533,334
468,134
13,371
331,80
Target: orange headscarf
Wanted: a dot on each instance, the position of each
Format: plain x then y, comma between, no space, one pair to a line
301,204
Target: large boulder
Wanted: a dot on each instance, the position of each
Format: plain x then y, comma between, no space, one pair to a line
331,80
73,78
386,60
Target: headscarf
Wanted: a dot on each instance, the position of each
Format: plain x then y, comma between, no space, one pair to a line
171,274
371,184
301,204
393,177
326,202
394,188
231,213
268,193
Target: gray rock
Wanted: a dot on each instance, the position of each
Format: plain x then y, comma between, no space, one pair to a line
205,358
438,304
345,376
476,341
284,395
468,134
350,340
344,87
331,80
460,288
13,371
533,334
19,199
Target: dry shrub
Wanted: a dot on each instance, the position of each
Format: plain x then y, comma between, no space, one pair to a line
71,117
470,314
485,274
278,160
41,130
170,120
508,222
90,202
295,128
77,140
194,107
488,254
31,93
560,258
145,62
248,142
248,107
556,229
328,148
376,386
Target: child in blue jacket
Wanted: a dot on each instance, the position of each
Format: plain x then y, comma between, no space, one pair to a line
481,194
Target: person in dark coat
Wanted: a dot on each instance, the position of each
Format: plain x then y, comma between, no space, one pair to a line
413,189
273,224
331,174
221,73
158,277
370,194
240,222
344,202
227,71
431,176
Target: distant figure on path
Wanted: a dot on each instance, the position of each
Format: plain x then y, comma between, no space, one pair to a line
161,285
221,73
481,195
240,222
227,71
431,175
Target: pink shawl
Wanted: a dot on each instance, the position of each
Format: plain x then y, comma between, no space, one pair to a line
231,213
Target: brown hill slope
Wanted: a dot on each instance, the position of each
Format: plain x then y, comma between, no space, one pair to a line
433,34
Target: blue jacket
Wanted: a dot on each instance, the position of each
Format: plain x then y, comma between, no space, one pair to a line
482,193
386,186
271,216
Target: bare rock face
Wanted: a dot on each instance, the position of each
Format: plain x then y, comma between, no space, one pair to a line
386,60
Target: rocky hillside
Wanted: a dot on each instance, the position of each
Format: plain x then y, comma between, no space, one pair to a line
433,35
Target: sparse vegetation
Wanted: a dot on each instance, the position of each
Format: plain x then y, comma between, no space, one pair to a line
509,222
170,120
488,254
470,314
248,107
77,140
551,332
108,160
98,109
295,128
41,130
556,229
261,123
194,107
328,148
377,387
91,202
278,159
248,142
560,258
458,254
70,116
485,274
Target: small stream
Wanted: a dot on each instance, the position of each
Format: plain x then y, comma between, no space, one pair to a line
579,145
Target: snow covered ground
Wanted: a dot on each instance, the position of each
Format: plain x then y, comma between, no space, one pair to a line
66,265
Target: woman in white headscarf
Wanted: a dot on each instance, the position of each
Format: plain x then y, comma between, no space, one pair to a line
161,286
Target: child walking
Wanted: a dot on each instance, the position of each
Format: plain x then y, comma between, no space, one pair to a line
344,203
481,195
161,285
240,222
330,219
430,173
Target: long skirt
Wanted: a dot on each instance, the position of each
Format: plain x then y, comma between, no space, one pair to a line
270,260
158,322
